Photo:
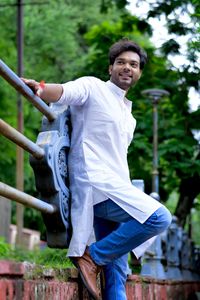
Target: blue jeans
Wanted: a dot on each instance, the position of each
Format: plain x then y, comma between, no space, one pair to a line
117,233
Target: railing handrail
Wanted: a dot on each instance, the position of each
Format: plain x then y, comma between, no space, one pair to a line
22,88
19,139
23,198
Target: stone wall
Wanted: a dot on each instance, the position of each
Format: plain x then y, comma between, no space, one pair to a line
24,281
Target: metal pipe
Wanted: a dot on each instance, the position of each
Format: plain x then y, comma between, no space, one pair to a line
23,198
21,87
19,139
20,123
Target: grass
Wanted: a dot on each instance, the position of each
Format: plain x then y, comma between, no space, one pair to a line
52,258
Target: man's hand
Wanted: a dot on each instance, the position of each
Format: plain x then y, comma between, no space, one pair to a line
50,92
33,84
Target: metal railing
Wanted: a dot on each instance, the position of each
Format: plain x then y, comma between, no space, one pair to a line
19,139
51,146
22,88
23,198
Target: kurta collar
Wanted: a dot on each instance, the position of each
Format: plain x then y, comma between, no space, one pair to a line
116,89
121,93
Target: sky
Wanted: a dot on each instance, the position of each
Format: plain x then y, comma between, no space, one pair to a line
160,35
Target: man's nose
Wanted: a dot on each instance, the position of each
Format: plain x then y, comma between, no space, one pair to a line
127,66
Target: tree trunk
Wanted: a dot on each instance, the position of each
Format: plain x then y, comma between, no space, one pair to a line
189,190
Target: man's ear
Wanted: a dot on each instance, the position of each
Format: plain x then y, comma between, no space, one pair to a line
110,69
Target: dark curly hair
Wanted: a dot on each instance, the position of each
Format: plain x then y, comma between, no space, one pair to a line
126,45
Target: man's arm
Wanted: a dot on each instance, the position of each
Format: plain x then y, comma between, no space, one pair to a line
49,92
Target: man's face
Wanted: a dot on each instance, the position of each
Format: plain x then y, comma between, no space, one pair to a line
125,71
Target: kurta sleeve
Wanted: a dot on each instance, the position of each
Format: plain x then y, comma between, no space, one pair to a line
75,92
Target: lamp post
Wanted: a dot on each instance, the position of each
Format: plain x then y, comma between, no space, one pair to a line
155,95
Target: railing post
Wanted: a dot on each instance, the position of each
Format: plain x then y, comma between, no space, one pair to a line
5,218
20,122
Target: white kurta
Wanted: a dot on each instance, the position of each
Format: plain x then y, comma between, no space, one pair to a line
102,129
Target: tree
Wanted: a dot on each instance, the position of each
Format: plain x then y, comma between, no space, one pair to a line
61,43
178,161
54,50
187,165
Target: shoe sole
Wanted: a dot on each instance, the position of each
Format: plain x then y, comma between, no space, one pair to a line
84,281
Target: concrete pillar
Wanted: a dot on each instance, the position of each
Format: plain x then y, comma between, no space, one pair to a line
5,217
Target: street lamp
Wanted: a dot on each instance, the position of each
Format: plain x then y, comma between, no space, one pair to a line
155,95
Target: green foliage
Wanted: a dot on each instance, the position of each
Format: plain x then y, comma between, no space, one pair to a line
5,249
170,47
177,160
99,39
48,257
54,50
53,258
182,18
7,252
178,149
67,39
106,4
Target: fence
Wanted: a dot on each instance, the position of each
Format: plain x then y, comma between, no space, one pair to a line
48,158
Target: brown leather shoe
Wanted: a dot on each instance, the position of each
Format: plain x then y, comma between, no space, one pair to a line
88,272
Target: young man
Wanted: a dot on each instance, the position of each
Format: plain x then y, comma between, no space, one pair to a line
102,194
